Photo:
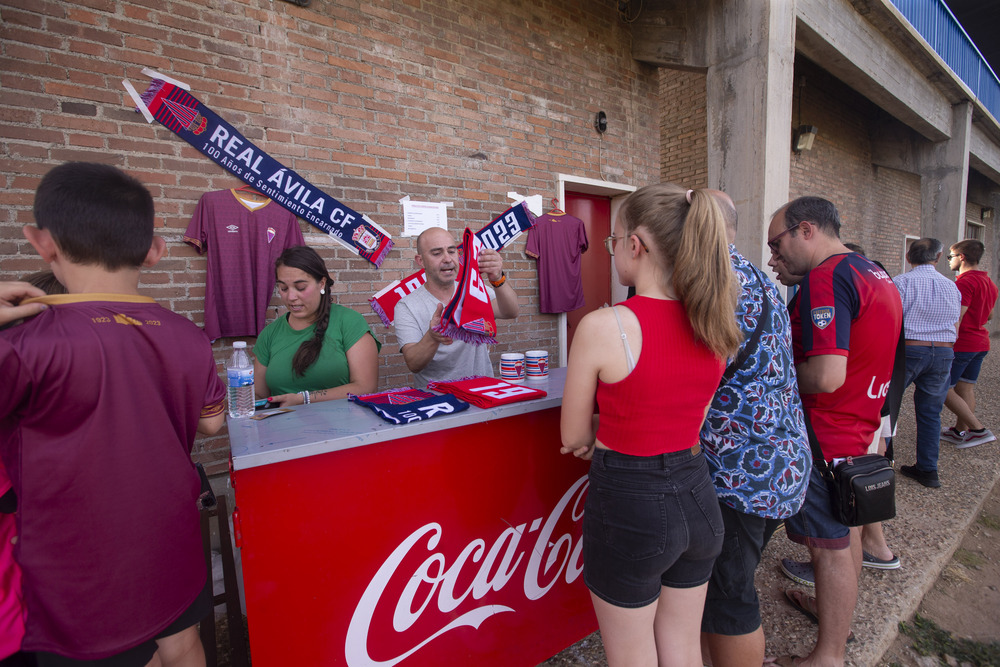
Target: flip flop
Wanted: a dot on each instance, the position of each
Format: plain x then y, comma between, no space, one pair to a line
787,661
795,597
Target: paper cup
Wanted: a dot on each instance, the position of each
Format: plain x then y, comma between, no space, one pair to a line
512,366
536,363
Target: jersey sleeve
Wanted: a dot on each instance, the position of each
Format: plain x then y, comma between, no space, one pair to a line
828,303
533,247
195,234
294,236
582,237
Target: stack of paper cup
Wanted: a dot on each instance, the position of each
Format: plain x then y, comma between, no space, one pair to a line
536,364
512,366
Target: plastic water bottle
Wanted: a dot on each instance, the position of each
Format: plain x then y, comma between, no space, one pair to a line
239,376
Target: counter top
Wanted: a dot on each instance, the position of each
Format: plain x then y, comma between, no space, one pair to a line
337,425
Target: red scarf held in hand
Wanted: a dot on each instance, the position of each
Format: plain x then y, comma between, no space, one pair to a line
469,315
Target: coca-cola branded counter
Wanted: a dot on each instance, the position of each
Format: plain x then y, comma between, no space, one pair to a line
451,541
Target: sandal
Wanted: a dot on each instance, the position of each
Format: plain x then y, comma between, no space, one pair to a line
796,597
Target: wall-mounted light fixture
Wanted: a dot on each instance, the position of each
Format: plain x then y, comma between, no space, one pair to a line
601,122
987,213
804,137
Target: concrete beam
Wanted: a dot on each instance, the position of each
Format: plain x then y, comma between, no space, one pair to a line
837,38
984,153
670,33
944,181
749,105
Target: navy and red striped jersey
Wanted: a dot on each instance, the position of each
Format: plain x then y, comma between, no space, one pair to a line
847,306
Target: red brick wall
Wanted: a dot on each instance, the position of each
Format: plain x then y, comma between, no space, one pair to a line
683,128
878,206
370,101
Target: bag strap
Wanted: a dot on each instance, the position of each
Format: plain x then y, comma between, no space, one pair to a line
818,459
754,339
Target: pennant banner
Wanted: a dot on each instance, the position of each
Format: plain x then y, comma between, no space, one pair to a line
198,125
498,234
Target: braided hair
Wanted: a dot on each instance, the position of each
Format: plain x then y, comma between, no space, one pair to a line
308,260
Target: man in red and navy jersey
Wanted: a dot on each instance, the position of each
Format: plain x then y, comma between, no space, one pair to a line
845,323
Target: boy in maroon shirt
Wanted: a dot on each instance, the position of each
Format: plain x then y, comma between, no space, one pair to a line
102,395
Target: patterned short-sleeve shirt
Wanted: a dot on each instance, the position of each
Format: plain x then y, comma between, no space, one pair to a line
754,435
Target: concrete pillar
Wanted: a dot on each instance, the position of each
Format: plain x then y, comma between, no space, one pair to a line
751,53
944,182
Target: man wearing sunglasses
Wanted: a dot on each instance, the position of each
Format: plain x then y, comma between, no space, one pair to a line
844,331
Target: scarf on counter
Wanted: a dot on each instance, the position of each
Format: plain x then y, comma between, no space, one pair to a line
201,127
469,315
405,405
484,392
498,234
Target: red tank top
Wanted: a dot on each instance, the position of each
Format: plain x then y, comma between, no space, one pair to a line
659,407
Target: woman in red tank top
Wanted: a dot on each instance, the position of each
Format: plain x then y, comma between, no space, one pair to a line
650,366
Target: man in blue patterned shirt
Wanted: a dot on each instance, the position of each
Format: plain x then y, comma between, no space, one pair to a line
754,438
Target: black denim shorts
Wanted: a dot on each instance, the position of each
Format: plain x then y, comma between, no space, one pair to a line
649,521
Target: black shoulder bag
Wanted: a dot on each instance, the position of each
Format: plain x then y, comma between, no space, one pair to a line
862,488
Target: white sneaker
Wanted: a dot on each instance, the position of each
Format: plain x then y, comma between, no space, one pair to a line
975,438
951,435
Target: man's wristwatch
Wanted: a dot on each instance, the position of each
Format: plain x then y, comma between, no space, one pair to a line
499,283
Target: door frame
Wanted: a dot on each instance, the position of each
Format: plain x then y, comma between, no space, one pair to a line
591,186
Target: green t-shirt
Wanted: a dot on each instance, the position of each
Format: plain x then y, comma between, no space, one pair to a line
278,342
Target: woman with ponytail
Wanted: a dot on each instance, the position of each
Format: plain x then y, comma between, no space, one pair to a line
318,351
650,366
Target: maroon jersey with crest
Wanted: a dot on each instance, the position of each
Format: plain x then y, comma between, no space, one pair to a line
242,240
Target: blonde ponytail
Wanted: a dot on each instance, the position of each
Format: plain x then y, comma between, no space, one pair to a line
691,239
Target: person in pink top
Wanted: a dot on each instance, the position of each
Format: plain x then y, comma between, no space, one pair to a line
979,295
650,366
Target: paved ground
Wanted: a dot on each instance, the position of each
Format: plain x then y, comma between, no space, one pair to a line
928,528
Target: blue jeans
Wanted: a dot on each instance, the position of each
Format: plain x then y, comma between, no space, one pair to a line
929,369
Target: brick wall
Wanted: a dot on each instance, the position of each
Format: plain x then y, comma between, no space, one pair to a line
878,206
683,128
370,101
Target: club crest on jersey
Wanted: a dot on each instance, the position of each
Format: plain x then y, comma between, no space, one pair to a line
270,234
822,317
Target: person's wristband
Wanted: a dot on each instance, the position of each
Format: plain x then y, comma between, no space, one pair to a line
305,397
499,283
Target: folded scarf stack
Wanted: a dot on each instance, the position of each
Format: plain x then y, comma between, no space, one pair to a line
485,392
405,405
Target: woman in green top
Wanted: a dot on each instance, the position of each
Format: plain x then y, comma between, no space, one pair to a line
318,351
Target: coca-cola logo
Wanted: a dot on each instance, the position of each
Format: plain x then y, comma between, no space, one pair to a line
430,582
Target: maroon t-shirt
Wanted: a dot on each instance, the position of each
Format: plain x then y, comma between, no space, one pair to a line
101,397
557,241
242,242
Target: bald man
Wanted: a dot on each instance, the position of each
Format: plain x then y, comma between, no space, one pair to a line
429,355
755,442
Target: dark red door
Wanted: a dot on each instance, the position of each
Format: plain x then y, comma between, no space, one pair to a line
595,211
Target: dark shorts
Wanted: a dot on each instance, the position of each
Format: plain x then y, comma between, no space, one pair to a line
649,521
814,525
966,366
139,656
732,606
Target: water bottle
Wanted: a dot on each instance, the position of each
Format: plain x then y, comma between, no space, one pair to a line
239,376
